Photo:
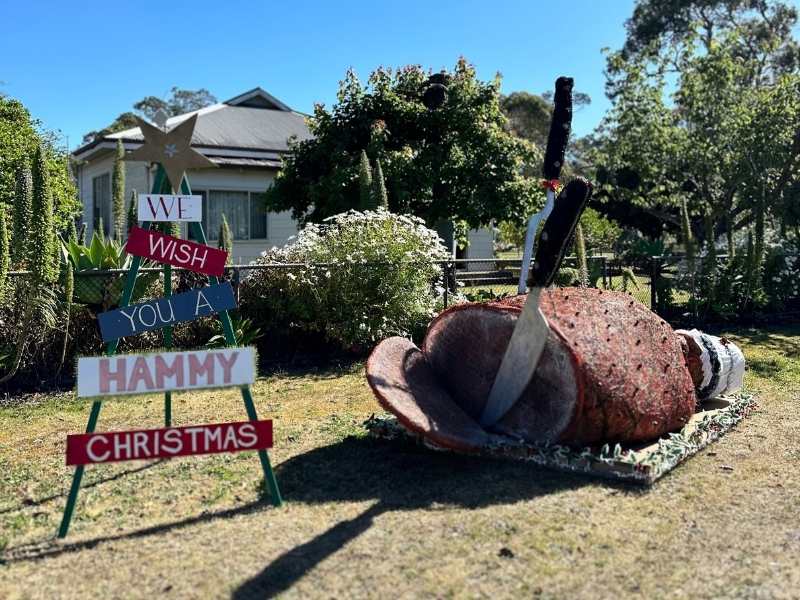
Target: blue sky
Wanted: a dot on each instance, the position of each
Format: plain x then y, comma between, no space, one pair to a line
76,66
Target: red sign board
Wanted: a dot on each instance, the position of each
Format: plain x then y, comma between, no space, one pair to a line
114,446
176,252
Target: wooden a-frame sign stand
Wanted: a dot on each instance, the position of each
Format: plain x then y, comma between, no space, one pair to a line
159,183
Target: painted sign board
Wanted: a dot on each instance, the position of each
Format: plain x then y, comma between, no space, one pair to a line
161,312
115,446
176,252
170,207
126,374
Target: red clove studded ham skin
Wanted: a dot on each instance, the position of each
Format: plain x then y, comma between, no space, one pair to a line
611,371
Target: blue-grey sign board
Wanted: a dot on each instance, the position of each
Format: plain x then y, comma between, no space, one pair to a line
162,312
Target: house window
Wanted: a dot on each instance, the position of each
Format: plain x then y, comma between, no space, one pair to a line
101,201
245,211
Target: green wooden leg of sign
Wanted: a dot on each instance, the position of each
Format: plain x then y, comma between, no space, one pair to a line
167,345
77,476
127,293
111,348
247,397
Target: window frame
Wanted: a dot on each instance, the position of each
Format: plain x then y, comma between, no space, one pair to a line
212,235
104,211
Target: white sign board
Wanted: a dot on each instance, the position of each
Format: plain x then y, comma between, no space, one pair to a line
126,374
170,207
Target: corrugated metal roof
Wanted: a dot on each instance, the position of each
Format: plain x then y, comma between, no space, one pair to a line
233,125
239,127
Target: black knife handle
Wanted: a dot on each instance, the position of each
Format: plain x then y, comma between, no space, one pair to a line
560,126
557,231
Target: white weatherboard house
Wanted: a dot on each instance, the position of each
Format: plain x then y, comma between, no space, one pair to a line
246,137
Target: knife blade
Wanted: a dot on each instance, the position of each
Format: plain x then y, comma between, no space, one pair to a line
530,331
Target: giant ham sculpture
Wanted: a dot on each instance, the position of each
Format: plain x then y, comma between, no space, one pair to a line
610,371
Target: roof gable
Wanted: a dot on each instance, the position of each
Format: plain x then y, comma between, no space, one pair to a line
257,98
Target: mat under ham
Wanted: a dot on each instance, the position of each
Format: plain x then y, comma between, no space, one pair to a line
611,370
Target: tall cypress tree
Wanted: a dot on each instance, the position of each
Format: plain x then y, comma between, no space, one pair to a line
118,192
23,199
5,254
380,198
365,182
41,255
225,239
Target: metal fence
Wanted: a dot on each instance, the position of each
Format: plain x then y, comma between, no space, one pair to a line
664,284
473,278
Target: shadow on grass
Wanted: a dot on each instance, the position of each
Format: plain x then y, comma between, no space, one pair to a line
784,338
399,477
51,547
32,503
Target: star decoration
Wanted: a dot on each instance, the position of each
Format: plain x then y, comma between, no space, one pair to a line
173,149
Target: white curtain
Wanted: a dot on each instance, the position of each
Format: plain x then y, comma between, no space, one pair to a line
236,208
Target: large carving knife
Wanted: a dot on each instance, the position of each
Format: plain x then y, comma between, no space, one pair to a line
557,139
530,332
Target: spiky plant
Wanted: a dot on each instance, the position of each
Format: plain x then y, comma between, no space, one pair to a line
68,284
131,219
42,252
118,192
380,197
225,239
23,201
365,182
686,231
5,255
580,253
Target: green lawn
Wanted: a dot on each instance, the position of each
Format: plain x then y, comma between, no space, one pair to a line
376,519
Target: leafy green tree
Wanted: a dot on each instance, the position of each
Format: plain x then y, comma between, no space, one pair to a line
665,32
126,120
118,191
365,182
20,136
726,146
380,198
177,103
43,251
528,116
457,162
225,239
23,202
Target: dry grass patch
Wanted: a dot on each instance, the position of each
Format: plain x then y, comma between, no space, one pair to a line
366,518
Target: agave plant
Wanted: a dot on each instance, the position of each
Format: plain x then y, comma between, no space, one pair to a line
246,333
102,254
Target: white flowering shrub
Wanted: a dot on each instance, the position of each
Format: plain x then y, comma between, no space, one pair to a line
355,279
